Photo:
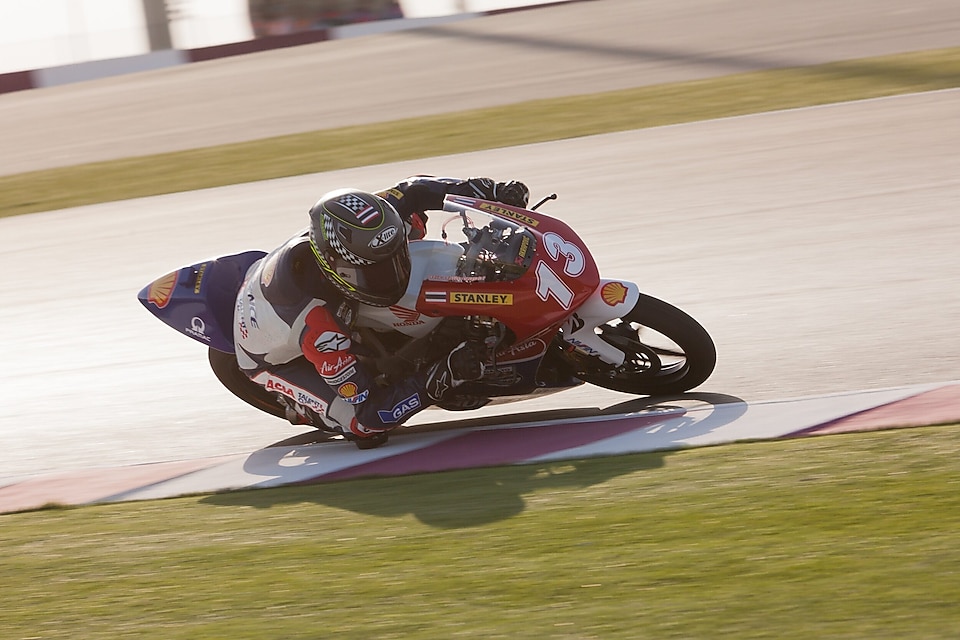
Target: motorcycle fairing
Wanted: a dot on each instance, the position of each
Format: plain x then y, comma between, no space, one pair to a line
558,277
516,370
198,300
611,300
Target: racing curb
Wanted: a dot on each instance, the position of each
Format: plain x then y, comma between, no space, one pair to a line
657,426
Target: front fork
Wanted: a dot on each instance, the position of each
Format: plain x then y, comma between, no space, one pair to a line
611,300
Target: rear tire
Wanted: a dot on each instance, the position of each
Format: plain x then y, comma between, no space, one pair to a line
667,352
228,372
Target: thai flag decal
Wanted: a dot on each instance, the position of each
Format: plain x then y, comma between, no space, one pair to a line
366,214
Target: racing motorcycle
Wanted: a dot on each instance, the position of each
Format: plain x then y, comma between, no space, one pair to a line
519,282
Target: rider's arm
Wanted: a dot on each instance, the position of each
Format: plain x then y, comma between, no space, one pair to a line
327,345
412,197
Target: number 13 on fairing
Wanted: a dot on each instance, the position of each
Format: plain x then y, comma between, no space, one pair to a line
548,282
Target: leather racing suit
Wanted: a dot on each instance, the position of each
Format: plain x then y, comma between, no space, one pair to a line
293,329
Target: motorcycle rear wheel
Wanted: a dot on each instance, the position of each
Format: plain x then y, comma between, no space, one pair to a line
228,372
667,352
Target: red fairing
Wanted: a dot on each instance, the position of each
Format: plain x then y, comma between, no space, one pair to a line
325,344
561,277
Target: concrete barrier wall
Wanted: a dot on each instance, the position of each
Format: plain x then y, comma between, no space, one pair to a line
16,81
36,34
104,68
431,8
65,74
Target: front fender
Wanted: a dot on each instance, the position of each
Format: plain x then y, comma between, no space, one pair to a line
611,300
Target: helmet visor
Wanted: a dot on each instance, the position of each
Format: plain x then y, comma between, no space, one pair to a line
380,284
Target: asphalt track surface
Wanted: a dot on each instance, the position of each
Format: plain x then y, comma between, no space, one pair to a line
818,246
572,49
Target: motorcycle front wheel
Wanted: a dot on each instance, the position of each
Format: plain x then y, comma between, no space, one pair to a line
666,352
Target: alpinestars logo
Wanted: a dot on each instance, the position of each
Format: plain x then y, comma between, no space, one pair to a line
438,383
408,317
330,341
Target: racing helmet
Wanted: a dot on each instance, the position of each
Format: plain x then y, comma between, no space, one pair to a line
359,241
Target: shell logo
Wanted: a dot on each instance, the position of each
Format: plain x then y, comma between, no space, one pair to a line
161,289
347,390
613,293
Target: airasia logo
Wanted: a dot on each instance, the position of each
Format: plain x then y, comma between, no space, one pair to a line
523,351
330,368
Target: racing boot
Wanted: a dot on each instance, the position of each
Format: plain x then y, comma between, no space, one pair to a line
362,437
370,442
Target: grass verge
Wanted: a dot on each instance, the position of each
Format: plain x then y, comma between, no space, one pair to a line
848,536
529,122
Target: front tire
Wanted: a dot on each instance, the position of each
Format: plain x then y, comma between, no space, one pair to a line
666,351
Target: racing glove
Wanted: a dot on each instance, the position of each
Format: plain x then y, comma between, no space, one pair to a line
463,364
417,228
514,193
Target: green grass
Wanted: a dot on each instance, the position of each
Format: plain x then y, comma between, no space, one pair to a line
529,122
851,536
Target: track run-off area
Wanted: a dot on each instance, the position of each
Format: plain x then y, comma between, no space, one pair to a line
817,246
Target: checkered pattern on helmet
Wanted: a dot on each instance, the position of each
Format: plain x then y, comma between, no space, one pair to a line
353,203
329,231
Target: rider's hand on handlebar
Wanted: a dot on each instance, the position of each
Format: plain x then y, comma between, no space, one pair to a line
514,193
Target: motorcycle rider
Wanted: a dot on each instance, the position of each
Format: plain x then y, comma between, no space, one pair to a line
296,308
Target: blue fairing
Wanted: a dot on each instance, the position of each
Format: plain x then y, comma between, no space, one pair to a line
198,300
